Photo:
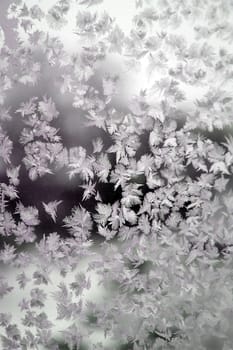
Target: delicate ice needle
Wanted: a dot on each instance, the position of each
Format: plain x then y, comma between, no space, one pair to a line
51,208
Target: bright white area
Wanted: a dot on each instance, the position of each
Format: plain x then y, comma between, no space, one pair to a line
135,78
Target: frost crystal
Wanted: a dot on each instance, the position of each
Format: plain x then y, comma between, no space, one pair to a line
116,166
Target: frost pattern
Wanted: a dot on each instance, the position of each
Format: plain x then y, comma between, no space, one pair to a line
161,242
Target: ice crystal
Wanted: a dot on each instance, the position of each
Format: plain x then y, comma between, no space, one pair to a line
145,215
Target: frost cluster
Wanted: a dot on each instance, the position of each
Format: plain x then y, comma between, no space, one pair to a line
155,214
